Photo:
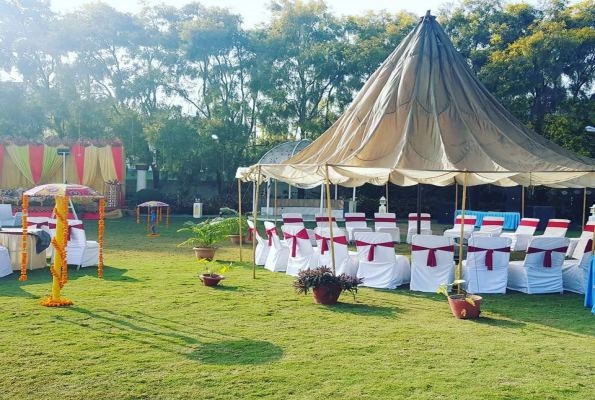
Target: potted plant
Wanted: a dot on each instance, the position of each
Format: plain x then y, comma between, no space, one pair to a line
463,305
213,272
232,222
204,236
325,286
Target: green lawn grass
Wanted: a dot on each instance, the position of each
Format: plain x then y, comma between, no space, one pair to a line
150,330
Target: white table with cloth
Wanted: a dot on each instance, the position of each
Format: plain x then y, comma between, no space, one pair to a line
11,238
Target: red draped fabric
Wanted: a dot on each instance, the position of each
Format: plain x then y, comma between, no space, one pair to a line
78,154
359,243
432,252
489,254
36,161
1,156
547,259
118,155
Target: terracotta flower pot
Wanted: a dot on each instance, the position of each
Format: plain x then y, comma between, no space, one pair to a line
204,252
235,239
326,294
461,308
211,279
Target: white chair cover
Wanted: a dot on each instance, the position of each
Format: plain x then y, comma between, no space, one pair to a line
412,225
262,245
42,223
5,264
575,272
585,235
355,222
79,250
486,267
541,272
432,262
301,253
322,221
455,231
490,227
278,252
523,234
378,264
346,262
296,219
6,217
387,223
556,228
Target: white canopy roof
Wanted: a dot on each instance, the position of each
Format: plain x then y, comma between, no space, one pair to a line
424,117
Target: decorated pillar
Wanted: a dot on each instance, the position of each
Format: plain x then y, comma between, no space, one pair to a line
113,192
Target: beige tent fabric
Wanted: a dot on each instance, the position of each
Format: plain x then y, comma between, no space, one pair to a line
424,117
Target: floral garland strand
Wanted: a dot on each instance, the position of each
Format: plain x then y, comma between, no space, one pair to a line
64,241
23,276
100,237
138,215
167,218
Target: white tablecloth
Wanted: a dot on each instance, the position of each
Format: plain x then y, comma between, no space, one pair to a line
11,238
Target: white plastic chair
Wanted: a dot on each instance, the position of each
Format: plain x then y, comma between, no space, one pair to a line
355,222
541,272
432,262
523,234
346,262
468,229
322,221
556,228
278,252
412,225
5,263
80,251
575,273
387,223
585,235
486,266
6,217
262,247
378,264
301,253
490,227
39,223
296,219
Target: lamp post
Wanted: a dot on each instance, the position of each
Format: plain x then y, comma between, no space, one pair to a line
63,151
382,208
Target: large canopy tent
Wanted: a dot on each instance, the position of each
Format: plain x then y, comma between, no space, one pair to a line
424,117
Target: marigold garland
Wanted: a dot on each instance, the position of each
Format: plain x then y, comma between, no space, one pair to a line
65,241
138,215
100,237
25,211
51,303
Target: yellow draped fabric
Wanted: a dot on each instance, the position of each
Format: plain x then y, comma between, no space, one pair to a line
20,157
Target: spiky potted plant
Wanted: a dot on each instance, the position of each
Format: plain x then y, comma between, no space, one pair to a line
325,286
464,305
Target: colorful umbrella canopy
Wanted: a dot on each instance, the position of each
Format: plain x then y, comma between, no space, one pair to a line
63,190
153,203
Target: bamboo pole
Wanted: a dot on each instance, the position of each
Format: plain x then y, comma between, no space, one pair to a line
240,215
275,203
255,222
330,217
522,202
458,272
584,206
386,196
456,196
592,246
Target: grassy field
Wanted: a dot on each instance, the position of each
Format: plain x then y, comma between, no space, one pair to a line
150,330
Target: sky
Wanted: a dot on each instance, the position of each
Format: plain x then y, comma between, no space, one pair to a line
254,11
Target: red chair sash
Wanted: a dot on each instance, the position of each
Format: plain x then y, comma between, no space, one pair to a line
589,246
70,227
467,221
303,234
547,259
293,220
557,225
493,223
422,218
250,230
359,243
432,252
589,228
385,220
489,254
324,219
44,223
355,219
324,245
529,223
270,233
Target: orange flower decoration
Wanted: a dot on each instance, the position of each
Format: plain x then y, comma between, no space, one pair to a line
101,234
23,276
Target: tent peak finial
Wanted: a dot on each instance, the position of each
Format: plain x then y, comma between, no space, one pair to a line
428,16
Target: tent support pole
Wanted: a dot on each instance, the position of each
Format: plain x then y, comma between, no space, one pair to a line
330,216
459,269
386,196
592,245
353,195
268,196
336,192
584,206
456,196
419,208
275,203
522,202
255,222
321,199
240,215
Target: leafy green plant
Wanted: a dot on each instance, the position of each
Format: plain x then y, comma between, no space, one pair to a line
204,234
232,221
323,276
467,296
213,267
